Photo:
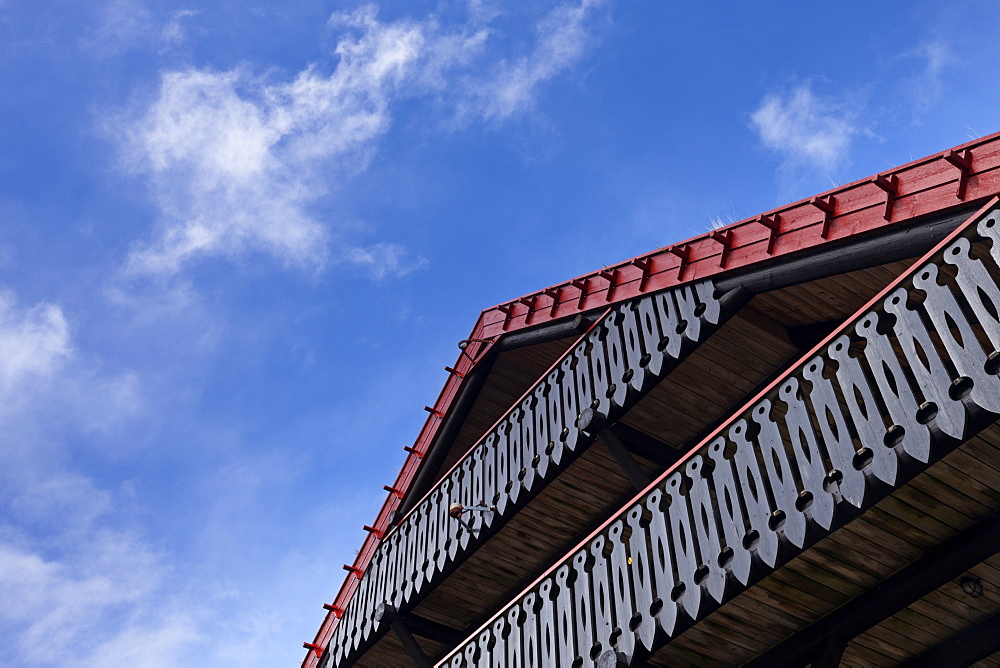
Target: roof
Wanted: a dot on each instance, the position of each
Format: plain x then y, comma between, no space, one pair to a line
960,177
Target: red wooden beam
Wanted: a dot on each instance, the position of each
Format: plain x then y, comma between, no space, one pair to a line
378,533
314,649
828,205
338,612
772,223
682,252
889,184
725,239
355,571
961,158
645,265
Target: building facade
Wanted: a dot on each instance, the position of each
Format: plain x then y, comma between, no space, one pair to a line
773,444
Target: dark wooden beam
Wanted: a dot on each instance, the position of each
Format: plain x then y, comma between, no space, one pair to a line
388,614
552,331
806,336
428,628
831,654
647,447
964,648
847,255
410,644
635,473
936,568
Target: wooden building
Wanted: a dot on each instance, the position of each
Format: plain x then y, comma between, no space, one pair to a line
773,444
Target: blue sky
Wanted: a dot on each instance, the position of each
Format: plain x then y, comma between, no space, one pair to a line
239,241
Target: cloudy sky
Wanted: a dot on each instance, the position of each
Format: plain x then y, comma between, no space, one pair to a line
240,240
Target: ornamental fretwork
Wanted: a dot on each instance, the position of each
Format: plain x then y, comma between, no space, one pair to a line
627,351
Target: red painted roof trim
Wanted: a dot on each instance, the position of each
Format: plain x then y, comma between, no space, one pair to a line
961,176
929,185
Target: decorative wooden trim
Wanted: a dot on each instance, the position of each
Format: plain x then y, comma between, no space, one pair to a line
612,365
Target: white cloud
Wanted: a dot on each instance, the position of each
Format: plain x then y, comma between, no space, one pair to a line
806,130
121,25
163,644
563,38
208,152
46,386
73,600
64,501
125,25
384,260
926,87
239,163
76,569
174,32
34,341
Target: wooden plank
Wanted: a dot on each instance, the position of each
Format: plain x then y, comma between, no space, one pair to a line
939,623
859,656
792,598
854,548
776,618
890,544
767,626
683,654
887,521
737,636
881,645
907,636
943,506
718,648
821,574
971,495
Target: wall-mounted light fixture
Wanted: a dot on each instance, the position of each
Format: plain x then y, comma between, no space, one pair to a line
972,586
456,510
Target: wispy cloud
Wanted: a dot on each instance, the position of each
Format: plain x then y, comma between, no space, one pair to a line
237,161
385,260
173,32
80,565
240,163
805,130
126,25
925,88
563,37
121,25
67,572
44,382
34,341
62,601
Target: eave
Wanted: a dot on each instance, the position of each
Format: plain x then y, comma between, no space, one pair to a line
959,178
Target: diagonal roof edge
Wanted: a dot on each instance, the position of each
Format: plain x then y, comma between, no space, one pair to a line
958,177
